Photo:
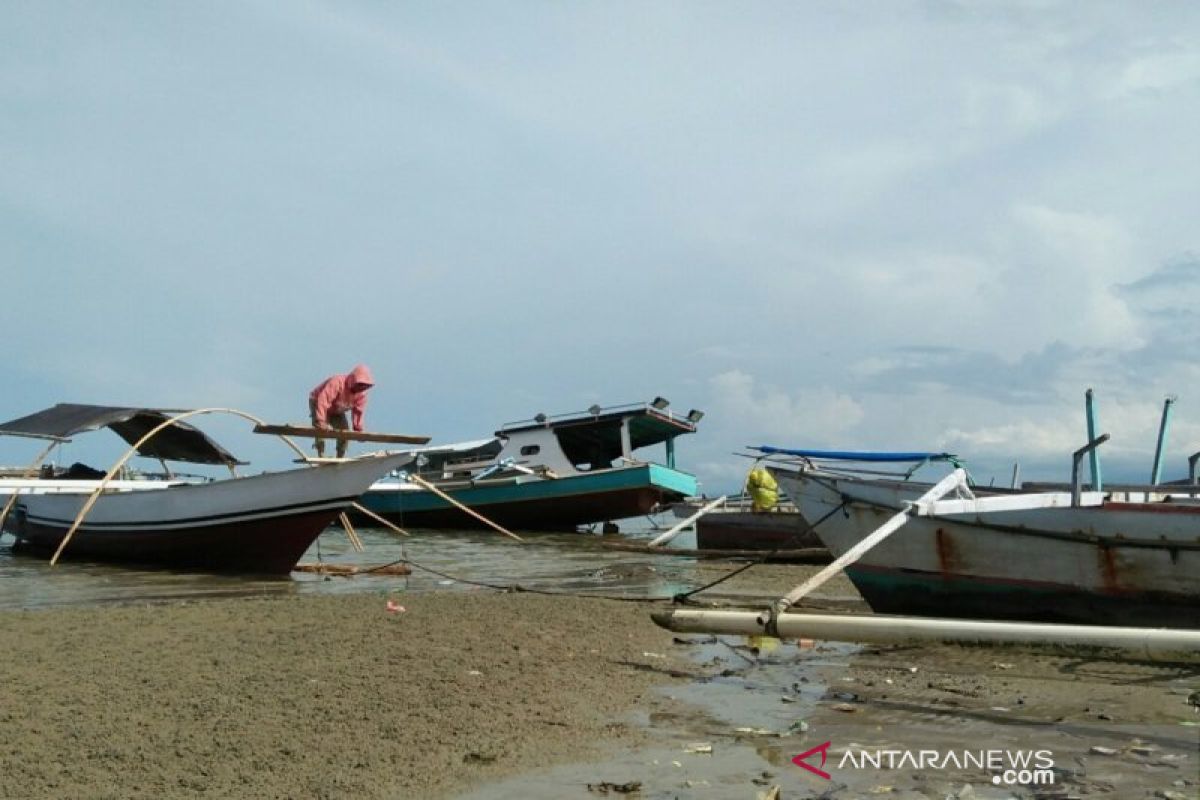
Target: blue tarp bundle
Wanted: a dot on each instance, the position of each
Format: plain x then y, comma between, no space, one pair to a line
850,455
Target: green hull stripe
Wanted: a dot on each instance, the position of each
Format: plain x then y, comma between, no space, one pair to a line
644,476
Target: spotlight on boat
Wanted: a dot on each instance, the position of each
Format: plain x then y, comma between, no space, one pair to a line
660,403
695,415
594,410
539,418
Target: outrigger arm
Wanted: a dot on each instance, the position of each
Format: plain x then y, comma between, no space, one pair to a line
1142,642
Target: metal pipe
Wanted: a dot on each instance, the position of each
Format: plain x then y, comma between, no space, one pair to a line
1164,423
1094,458
1153,643
1076,460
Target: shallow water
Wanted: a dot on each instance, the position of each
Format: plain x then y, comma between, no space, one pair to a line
570,562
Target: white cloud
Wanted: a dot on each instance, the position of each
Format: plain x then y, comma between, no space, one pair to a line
1160,72
818,414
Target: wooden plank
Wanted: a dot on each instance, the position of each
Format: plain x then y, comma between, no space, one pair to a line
335,434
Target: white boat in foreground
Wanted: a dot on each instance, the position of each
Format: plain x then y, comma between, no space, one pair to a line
1132,559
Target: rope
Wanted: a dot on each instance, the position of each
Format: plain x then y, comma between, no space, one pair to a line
683,597
513,588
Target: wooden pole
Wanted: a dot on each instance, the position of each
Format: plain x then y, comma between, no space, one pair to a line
355,542
29,473
384,522
1159,643
417,479
667,536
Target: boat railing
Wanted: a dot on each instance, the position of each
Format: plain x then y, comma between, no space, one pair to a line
596,411
847,465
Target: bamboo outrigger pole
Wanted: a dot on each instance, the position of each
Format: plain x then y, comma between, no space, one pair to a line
30,471
1154,643
417,479
360,508
675,531
955,480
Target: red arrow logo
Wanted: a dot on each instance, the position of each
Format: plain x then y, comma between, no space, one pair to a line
800,762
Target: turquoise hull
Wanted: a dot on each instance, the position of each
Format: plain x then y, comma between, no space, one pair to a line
535,503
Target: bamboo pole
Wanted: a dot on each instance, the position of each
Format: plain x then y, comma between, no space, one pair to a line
29,473
360,508
108,476
427,485
1154,643
355,542
957,478
667,536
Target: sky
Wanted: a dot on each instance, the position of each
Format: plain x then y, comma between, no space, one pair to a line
850,225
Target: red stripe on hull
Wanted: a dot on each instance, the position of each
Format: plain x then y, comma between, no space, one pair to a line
268,546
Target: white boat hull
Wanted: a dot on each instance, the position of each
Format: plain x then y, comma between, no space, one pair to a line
1128,561
261,523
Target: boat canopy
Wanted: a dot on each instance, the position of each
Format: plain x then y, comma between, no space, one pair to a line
647,426
860,455
179,442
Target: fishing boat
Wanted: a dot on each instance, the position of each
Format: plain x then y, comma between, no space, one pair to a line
736,527
250,524
1129,557
545,473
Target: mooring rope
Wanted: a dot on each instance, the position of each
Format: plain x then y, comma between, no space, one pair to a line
683,597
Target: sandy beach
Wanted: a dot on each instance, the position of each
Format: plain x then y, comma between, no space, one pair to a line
488,695
330,697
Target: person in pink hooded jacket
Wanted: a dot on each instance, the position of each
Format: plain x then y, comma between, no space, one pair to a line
329,402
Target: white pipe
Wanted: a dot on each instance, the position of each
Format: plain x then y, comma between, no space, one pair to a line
956,479
667,536
1154,643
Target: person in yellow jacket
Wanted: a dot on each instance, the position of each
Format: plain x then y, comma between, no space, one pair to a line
762,488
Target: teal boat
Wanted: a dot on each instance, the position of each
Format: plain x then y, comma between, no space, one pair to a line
546,473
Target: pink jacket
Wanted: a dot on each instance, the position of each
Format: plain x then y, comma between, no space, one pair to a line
336,395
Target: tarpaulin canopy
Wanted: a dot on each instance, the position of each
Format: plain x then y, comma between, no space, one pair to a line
178,442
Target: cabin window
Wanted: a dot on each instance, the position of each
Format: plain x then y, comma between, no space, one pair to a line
531,450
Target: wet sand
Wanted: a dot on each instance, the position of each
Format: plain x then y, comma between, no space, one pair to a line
324,697
489,696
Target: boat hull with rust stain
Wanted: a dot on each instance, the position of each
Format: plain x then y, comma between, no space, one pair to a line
1134,560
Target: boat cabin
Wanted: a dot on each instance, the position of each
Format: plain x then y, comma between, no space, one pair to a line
568,444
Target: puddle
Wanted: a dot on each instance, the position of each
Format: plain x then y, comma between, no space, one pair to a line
1101,729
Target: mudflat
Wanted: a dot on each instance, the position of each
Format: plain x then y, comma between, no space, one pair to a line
321,696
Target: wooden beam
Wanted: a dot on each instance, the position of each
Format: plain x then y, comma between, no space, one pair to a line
335,434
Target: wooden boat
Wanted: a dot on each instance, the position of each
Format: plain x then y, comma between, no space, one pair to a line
546,473
735,527
254,524
1133,559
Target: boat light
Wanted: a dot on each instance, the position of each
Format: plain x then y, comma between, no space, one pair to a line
660,403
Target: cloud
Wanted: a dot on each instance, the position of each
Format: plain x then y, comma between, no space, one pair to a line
772,415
